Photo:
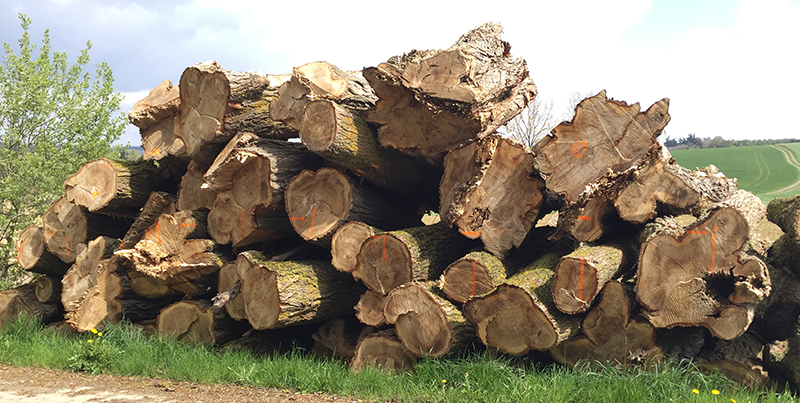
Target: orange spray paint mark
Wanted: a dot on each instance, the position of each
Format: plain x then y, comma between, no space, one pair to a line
311,231
384,248
584,218
580,283
579,147
296,218
19,250
713,248
698,232
95,193
154,151
190,224
470,233
474,270
107,166
67,236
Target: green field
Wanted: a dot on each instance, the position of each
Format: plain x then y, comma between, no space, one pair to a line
762,170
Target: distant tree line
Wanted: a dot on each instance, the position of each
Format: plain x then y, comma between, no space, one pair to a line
692,141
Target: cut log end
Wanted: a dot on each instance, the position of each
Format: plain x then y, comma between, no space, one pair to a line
419,321
330,190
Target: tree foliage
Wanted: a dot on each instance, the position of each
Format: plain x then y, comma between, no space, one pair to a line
53,117
533,123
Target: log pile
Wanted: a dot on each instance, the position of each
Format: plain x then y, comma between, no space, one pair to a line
265,233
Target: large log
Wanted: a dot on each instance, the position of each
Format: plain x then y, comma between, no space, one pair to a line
605,138
782,358
250,177
739,359
429,102
191,193
281,294
33,256
369,309
217,103
382,350
702,278
229,282
490,191
339,337
346,243
66,226
157,204
320,202
84,273
477,273
48,289
519,315
420,320
785,213
342,137
155,117
320,80
389,259
197,322
588,219
23,300
610,335
113,187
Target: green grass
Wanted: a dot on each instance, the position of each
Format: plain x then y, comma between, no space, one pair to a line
124,350
758,169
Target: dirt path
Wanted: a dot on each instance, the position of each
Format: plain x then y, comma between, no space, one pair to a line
792,160
40,385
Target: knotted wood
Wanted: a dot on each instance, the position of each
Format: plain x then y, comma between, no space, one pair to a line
490,191
48,289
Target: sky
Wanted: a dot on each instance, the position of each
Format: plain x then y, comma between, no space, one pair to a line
729,67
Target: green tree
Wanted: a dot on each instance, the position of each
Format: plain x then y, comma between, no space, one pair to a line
53,117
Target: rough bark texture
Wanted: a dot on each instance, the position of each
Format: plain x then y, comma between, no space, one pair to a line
157,204
782,358
23,299
320,202
84,273
419,320
113,187
609,335
739,359
490,191
785,213
250,177
369,309
342,137
581,275
701,278
429,102
346,243
389,259
477,273
519,316
33,256
606,137
384,351
281,294
197,322
191,194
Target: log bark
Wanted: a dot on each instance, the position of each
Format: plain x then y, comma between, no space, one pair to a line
196,322
320,202
605,138
477,273
11,306
701,278
369,309
429,102
339,337
610,335
67,227
581,275
341,136
48,290
23,299
191,193
383,351
250,176
157,204
389,259
739,359
320,80
347,241
33,256
520,316
113,187
174,250
782,358
83,275
490,191
419,320
282,294
217,103
785,213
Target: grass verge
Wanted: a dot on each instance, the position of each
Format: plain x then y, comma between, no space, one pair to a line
124,350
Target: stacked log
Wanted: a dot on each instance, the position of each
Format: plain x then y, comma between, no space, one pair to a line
262,235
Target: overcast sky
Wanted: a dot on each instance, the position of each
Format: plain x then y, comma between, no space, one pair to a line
729,67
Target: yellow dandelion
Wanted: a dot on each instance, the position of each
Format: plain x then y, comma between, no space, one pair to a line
94,330
695,391
99,334
89,341
444,380
733,401
714,392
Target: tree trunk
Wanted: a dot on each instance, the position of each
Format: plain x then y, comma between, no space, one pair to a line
419,320
157,204
346,243
250,177
34,257
191,193
429,102
477,273
785,213
196,322
383,351
605,138
369,309
701,278
490,191
342,137
281,294
66,226
581,275
83,275
320,80
520,315
173,250
113,187
320,202
609,335
216,104
390,259
48,290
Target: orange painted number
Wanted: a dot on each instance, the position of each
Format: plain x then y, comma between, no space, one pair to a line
579,147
